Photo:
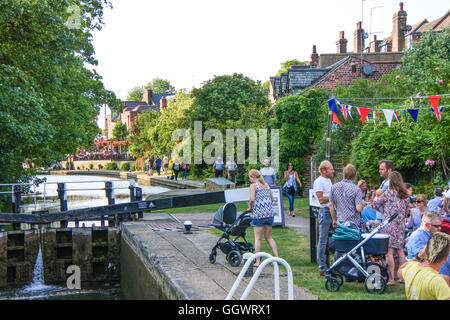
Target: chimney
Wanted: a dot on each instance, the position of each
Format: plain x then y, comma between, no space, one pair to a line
399,27
375,44
163,103
147,96
341,43
314,58
358,36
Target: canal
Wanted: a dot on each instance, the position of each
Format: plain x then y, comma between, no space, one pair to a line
82,192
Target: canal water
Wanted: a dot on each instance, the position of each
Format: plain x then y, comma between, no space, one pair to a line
82,192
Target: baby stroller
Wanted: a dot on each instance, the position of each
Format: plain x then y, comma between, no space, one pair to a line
225,220
373,273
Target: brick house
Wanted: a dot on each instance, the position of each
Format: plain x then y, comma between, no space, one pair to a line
131,109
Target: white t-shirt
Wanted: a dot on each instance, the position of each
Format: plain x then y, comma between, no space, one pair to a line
323,185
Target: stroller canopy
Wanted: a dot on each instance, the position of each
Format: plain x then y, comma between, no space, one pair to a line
226,214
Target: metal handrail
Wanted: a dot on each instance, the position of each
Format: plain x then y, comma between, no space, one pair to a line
275,261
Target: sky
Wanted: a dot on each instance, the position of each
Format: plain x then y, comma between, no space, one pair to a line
190,41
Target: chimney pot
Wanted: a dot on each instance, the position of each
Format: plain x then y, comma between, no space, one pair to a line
359,25
401,6
314,49
341,35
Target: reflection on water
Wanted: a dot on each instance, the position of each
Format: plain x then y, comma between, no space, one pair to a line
83,192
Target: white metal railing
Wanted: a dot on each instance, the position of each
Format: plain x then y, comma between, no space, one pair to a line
275,261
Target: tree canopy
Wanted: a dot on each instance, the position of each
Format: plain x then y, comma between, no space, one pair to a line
50,91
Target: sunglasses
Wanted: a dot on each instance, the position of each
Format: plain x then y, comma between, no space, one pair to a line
417,201
436,226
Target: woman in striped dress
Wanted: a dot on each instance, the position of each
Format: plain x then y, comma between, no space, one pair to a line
260,204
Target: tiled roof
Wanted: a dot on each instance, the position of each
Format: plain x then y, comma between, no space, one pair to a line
277,85
303,78
133,104
156,97
145,107
284,80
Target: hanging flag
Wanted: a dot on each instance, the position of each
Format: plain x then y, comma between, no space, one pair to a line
396,116
438,112
350,111
363,112
344,110
379,119
414,113
388,113
434,102
332,105
336,119
373,113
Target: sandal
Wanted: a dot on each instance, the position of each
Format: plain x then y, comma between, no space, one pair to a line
391,284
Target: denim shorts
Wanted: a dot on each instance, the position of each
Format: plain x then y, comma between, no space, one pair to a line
262,222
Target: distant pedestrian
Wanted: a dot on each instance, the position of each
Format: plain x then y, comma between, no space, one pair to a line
269,173
231,169
158,163
260,204
218,167
184,170
290,186
176,168
166,163
322,189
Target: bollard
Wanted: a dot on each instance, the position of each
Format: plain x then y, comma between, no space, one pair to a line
16,196
62,195
109,191
313,215
249,271
139,198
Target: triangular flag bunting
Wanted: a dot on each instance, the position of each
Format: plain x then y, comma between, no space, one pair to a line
363,112
336,119
396,116
388,113
332,105
413,113
379,120
438,112
374,122
350,111
344,109
434,102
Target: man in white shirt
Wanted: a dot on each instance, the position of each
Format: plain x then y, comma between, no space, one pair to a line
322,188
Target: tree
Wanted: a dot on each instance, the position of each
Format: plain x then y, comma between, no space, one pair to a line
289,63
51,93
160,86
135,94
220,99
120,131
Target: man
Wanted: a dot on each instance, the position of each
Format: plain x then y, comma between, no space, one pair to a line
158,163
322,188
435,204
346,198
165,162
385,167
431,223
218,167
422,280
268,173
231,169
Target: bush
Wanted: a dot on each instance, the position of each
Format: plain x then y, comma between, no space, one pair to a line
111,166
125,166
91,165
133,167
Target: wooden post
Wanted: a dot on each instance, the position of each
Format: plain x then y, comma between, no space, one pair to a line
62,195
17,195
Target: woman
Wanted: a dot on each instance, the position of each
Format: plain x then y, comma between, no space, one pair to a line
184,170
394,200
291,177
415,219
260,204
362,184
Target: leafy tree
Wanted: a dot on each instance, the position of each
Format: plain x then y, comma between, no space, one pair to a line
50,92
120,131
135,94
161,86
220,98
289,63
300,119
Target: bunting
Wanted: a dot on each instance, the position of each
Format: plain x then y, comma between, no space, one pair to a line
367,116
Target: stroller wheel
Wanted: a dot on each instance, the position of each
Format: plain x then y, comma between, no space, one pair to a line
375,284
212,257
332,284
234,257
339,278
374,267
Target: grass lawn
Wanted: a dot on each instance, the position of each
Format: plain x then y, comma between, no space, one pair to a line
295,249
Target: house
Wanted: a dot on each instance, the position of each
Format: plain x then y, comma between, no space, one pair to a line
131,109
379,57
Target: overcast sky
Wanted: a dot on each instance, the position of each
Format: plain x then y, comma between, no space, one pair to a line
190,41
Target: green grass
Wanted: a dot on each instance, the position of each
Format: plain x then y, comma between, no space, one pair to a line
295,249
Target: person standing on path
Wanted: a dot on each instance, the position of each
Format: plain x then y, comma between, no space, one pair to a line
218,167
291,177
158,163
231,170
322,189
268,173
260,204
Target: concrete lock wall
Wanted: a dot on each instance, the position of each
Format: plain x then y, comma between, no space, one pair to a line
95,250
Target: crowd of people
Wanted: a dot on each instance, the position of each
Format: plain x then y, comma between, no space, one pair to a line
416,242
170,168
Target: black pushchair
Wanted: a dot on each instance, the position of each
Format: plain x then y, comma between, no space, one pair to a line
225,220
372,272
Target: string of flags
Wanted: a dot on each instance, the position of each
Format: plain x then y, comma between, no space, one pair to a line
338,108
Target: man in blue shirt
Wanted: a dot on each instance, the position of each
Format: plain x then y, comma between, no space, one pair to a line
436,203
431,222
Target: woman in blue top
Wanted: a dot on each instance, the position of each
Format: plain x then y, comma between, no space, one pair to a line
260,204
291,177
